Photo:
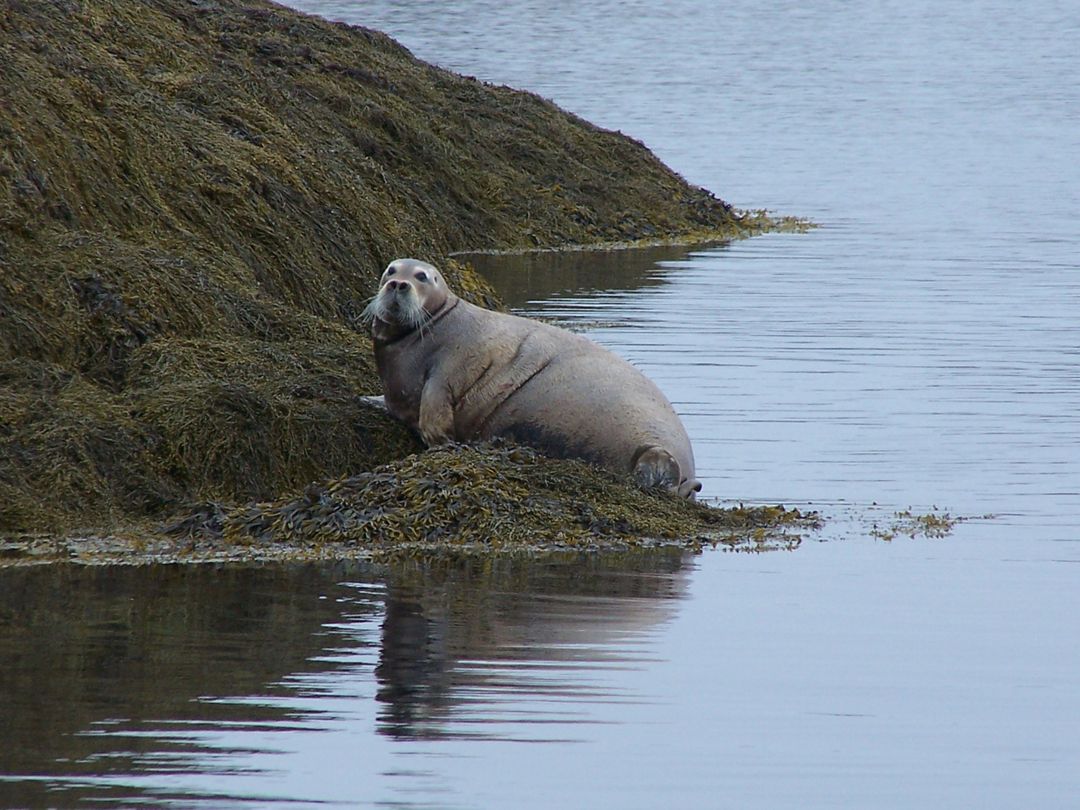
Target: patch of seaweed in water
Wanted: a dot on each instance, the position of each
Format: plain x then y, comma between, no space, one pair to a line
195,201
491,497
932,525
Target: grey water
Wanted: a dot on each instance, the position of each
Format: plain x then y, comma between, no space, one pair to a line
920,349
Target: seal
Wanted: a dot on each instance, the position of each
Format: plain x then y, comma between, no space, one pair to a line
457,372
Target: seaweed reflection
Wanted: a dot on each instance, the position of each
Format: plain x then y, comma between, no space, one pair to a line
524,278
102,666
159,682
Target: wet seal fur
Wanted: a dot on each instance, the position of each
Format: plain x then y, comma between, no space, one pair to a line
456,371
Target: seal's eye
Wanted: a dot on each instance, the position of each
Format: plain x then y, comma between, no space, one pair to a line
390,271
421,276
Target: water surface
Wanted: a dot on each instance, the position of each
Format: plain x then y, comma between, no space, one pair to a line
920,349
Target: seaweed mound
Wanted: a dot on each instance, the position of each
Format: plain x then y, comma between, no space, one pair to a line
196,198
492,496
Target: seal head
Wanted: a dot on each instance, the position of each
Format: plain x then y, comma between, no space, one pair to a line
410,293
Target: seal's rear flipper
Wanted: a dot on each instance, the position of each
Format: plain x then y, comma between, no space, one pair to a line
656,467
690,489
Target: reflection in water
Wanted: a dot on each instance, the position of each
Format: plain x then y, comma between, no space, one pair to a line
105,667
524,279
163,682
412,669
463,644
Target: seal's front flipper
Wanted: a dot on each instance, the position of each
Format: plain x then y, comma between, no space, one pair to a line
436,422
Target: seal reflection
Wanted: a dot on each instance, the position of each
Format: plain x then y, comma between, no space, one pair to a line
466,645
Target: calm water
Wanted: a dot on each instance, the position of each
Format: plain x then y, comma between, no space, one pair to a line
920,349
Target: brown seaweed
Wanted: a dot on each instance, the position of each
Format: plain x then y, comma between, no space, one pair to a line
196,200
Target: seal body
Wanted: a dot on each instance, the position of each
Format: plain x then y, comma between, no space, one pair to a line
455,371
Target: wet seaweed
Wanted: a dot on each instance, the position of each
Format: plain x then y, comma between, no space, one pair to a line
933,525
196,200
490,497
